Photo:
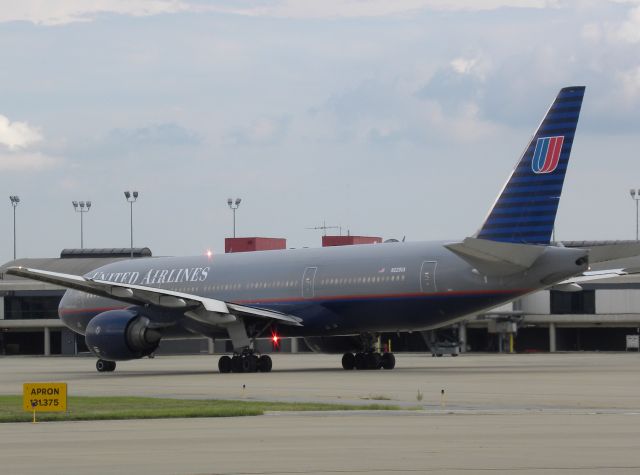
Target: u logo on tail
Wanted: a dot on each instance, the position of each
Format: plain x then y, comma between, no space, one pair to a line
547,154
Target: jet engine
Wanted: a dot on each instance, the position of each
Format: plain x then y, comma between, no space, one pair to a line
121,335
334,344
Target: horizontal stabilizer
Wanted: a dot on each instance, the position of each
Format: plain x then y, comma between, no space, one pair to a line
603,251
592,276
496,258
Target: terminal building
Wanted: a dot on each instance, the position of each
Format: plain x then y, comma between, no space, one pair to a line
600,317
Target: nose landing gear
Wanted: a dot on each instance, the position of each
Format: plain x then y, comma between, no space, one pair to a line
105,366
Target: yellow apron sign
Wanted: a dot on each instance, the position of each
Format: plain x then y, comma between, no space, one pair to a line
44,397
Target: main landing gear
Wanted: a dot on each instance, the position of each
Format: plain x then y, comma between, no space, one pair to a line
244,359
105,366
368,360
246,362
368,357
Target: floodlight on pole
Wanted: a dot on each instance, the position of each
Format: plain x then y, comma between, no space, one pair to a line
15,199
81,207
234,206
131,197
635,196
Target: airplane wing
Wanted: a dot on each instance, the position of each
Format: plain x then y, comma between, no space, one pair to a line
202,308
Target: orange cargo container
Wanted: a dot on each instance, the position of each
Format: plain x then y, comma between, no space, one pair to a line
349,240
248,244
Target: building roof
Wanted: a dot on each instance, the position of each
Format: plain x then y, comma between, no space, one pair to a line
123,252
76,266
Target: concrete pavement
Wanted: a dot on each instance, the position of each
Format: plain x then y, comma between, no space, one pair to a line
529,414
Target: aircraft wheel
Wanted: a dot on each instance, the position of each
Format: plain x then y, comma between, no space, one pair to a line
373,360
265,364
388,361
224,364
361,361
348,361
249,364
104,366
236,364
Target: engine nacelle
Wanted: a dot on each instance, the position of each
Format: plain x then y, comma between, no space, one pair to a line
121,335
334,344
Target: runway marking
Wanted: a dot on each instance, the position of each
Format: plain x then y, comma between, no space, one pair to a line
555,469
459,412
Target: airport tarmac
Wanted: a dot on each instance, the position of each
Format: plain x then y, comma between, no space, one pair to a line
530,414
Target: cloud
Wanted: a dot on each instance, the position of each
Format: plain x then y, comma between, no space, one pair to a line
17,135
384,112
45,12
462,65
477,66
29,162
456,87
15,138
155,142
262,131
372,8
629,31
630,81
59,12
592,32
625,31
167,134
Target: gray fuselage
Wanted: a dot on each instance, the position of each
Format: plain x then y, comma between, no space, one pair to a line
335,290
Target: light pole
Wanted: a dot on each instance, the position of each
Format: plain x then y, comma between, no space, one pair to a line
635,197
82,208
234,206
132,197
14,202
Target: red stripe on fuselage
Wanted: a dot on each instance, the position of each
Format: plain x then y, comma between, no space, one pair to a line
384,296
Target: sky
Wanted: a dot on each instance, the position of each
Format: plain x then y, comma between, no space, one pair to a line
389,119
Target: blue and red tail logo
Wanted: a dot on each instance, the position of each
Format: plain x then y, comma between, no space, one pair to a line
547,154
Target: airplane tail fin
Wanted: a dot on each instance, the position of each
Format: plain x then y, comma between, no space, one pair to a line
525,210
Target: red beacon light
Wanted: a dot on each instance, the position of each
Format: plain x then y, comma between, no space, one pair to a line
275,339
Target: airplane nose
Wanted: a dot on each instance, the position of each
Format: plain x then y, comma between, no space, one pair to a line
63,306
69,310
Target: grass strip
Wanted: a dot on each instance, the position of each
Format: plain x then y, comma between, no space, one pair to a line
86,408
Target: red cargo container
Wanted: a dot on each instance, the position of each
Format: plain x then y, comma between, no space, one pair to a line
349,240
248,244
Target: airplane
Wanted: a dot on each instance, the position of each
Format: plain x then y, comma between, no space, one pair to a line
340,298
